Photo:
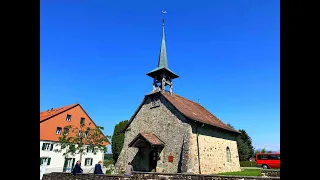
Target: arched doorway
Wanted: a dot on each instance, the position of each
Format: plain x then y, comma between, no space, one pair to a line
153,158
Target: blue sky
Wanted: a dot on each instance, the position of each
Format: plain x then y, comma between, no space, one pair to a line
226,52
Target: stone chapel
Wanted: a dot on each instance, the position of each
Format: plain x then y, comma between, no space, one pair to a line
172,134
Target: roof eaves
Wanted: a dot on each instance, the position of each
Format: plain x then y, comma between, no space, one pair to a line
94,123
59,113
134,115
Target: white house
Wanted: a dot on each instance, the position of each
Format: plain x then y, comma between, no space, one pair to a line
51,124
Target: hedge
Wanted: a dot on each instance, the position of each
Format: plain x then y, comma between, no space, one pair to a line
247,164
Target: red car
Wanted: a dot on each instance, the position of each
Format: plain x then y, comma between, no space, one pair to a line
268,160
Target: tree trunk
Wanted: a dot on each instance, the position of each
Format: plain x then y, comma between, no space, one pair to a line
81,156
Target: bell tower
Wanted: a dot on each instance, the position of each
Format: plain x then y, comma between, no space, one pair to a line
162,75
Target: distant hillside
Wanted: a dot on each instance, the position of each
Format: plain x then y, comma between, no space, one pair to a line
107,156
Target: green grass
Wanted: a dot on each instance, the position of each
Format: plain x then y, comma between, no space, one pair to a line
245,172
247,164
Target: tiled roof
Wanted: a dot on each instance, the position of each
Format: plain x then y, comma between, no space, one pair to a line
154,140
193,110
54,111
149,137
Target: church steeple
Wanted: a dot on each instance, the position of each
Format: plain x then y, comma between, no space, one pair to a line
163,60
162,75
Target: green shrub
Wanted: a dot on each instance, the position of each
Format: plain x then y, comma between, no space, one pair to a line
247,164
108,162
108,172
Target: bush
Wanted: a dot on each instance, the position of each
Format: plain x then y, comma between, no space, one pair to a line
107,163
247,164
108,172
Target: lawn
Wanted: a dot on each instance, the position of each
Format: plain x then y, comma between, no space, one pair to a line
245,172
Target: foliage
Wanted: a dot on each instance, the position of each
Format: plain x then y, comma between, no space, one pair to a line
117,140
247,140
108,162
247,164
245,172
244,143
269,151
243,150
108,171
76,140
107,156
230,125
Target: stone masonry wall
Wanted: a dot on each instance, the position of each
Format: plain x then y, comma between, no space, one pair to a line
212,148
169,126
151,176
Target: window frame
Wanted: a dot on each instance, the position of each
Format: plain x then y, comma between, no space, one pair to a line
86,161
46,158
228,151
68,117
58,132
82,121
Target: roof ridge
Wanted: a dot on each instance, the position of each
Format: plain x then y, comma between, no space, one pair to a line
45,115
52,109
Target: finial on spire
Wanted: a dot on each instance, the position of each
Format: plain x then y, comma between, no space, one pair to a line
163,13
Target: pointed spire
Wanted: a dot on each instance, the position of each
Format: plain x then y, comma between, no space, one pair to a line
163,60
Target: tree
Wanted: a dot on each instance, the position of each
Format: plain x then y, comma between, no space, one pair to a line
244,143
230,125
263,150
247,139
76,140
243,149
117,140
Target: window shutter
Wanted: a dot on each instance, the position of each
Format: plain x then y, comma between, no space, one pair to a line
40,161
91,161
73,161
43,145
48,161
51,147
87,149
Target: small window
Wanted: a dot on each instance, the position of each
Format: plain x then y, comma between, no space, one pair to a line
68,118
65,131
46,160
47,147
228,155
88,161
82,121
269,156
89,149
86,134
262,156
58,131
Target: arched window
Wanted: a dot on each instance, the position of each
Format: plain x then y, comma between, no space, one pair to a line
228,155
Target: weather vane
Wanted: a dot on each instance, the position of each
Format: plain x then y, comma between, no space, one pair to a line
163,13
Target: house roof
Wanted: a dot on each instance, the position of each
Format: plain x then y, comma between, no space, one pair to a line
149,137
192,110
195,111
45,115
49,114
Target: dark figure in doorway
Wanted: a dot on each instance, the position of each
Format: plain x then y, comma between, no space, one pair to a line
153,158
